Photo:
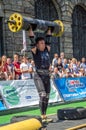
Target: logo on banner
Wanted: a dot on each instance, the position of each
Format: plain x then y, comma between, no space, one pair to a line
73,84
11,95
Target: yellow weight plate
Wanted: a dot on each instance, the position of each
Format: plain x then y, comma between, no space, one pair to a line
17,18
61,28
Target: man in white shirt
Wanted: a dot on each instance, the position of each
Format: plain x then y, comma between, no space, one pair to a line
26,69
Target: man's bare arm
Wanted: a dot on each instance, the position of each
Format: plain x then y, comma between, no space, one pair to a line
48,39
32,39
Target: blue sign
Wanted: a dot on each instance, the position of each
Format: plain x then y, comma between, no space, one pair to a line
71,88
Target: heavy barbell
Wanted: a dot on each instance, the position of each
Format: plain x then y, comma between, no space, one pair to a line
16,22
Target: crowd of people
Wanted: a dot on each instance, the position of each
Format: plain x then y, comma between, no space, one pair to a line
22,67
63,67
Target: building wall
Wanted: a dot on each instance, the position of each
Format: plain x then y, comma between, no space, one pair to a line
67,7
13,41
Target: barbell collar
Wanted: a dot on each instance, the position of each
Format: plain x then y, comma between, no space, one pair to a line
10,21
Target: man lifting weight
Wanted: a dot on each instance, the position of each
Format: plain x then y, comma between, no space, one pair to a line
40,49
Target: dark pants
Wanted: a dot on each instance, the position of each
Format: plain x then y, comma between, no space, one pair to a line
42,82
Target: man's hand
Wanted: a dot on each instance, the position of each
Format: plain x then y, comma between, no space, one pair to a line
31,33
49,32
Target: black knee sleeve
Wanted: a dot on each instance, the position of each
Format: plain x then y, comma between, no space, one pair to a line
42,96
43,103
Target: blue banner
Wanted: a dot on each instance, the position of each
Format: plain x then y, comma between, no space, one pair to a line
71,88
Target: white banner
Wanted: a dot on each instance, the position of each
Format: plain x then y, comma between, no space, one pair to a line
20,93
54,94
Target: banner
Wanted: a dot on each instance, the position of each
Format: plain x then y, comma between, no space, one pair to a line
20,93
71,88
54,94
2,107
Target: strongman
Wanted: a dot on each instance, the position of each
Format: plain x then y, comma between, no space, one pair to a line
40,49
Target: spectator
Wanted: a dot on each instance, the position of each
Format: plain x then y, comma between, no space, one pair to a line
28,60
20,58
83,63
59,65
78,65
68,73
11,73
26,69
65,64
4,64
55,60
81,72
74,67
3,74
55,73
16,67
62,57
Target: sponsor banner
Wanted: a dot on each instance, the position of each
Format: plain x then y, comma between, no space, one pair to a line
20,93
71,88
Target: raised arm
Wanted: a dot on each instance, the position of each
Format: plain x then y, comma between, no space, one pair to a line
48,39
32,39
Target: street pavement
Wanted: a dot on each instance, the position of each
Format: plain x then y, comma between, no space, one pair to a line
63,124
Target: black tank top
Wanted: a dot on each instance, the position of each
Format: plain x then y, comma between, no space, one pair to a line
41,59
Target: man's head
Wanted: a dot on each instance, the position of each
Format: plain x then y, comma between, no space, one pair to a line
40,43
8,61
56,55
83,60
62,55
16,57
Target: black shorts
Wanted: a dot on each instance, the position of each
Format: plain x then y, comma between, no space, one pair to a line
42,82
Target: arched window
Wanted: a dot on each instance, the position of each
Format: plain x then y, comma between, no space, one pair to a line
45,10
79,32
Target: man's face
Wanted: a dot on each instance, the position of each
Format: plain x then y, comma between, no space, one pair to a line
41,45
8,60
83,60
16,58
62,55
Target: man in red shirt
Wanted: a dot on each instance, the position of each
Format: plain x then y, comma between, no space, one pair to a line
16,67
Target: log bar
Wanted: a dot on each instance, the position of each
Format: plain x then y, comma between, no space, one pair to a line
17,22
31,124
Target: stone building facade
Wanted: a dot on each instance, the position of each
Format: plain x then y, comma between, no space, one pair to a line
71,12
